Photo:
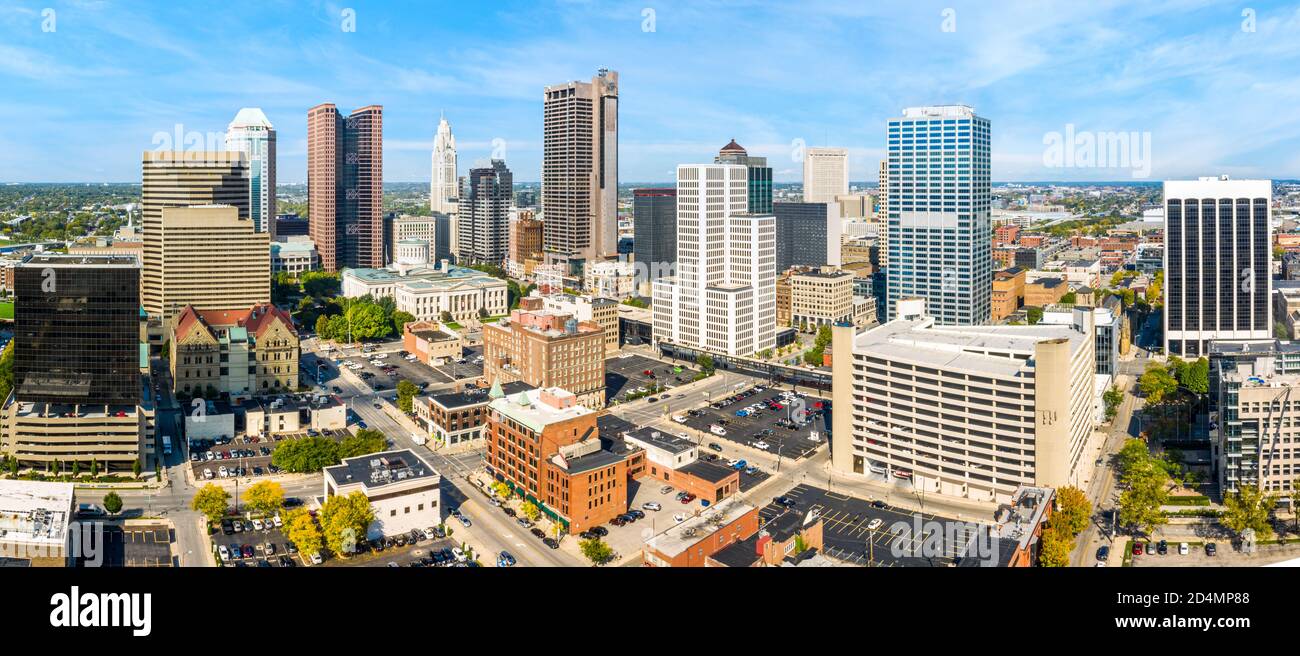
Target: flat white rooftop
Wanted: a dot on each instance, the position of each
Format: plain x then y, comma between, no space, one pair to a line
989,349
35,512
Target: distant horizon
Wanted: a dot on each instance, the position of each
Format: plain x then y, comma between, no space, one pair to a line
1062,183
1060,83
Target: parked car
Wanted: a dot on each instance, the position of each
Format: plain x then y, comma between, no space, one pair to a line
1103,553
600,531
665,489
551,542
504,559
688,498
652,505
1182,549
1162,547
224,552
537,533
875,524
715,446
786,501
1211,549
1137,548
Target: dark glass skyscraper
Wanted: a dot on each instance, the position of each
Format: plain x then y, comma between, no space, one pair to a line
654,228
806,235
77,330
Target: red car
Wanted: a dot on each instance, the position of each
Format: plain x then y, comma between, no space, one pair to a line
688,498
1137,548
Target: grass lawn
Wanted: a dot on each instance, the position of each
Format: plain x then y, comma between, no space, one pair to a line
7,310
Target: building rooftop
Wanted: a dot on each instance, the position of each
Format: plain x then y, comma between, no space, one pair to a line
35,512
61,260
527,408
682,536
994,350
377,470
456,400
660,440
707,471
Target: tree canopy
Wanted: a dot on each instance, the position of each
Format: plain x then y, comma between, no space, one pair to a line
211,500
344,520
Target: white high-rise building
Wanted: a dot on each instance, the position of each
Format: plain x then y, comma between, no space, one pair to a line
251,133
444,188
825,174
1218,251
723,298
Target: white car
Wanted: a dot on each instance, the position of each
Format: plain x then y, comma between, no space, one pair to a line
717,430
257,524
1182,549
874,524
679,419
679,518
225,553
652,505
316,559
277,521
458,554
762,445
223,472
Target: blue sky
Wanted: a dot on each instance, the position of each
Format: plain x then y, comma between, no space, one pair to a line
1216,91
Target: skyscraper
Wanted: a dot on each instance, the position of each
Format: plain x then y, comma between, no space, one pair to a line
940,239
825,174
76,363
485,215
654,228
1218,248
723,298
443,188
252,134
759,175
181,179
345,180
212,260
807,234
580,171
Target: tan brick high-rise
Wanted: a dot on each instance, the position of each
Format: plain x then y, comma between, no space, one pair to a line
180,179
212,258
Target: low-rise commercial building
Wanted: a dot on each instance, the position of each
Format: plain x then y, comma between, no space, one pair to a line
427,292
295,256
821,298
402,488
1008,292
459,418
36,519
431,342
781,541
1045,291
964,411
549,450
693,542
675,461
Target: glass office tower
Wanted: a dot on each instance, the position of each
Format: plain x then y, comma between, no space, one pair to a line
940,240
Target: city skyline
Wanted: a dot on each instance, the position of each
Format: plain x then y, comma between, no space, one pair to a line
1060,70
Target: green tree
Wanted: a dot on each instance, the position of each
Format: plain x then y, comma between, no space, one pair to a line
323,328
1146,480
344,520
302,531
1113,398
1056,548
365,442
705,363
530,511
1070,298
1196,377
1074,511
367,321
265,497
135,468
1034,314
1156,383
1249,507
406,391
112,503
596,550
305,455
7,370
320,284
400,319
212,501
446,317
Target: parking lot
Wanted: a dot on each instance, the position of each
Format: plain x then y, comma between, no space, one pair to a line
765,425
626,374
268,545
425,553
252,455
136,546
454,371
848,534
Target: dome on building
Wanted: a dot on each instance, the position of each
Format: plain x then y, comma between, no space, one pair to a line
732,148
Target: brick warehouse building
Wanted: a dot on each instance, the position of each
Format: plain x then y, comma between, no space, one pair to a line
548,449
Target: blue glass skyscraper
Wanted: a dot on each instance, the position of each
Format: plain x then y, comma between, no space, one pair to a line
939,235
